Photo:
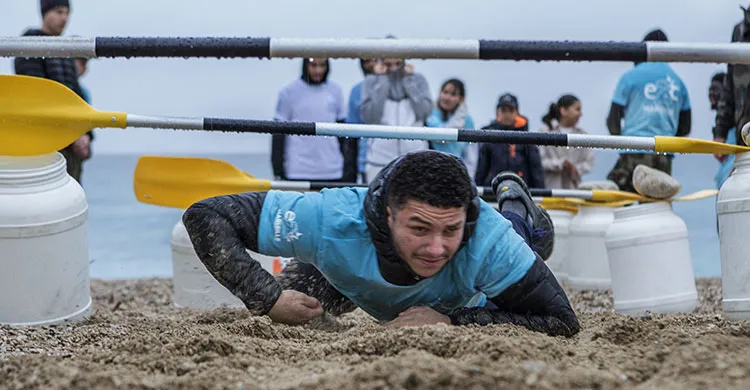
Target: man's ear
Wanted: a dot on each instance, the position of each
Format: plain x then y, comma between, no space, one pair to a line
388,212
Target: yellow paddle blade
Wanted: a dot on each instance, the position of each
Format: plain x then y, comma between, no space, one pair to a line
181,181
696,195
691,145
40,116
615,196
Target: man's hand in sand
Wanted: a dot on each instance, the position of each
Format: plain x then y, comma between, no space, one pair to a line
295,308
419,315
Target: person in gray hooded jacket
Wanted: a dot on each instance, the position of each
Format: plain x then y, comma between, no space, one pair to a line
394,95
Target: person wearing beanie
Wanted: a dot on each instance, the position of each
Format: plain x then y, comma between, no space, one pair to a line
63,70
313,98
649,100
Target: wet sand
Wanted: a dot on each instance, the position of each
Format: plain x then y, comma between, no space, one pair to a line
136,339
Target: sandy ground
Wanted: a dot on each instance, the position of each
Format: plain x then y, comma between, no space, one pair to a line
135,339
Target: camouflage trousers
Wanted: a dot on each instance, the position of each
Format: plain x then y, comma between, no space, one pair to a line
74,164
622,173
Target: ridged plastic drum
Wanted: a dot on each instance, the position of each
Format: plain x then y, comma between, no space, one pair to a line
649,260
588,264
43,243
193,286
733,210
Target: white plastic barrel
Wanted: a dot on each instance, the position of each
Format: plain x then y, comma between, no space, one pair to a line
733,210
43,243
649,260
558,261
588,264
193,286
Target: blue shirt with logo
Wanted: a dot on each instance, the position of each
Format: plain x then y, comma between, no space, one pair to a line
653,96
328,230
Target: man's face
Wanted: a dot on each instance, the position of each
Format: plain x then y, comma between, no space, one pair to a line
426,237
317,69
714,93
393,64
507,115
368,65
54,20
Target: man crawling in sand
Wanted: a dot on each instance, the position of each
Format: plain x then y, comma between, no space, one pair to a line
417,247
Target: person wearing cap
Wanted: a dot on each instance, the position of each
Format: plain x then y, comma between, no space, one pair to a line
55,15
649,100
523,160
416,247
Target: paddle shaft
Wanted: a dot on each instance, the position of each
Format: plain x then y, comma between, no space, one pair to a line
482,49
395,132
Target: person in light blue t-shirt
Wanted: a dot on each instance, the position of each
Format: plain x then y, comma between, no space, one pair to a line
653,101
417,247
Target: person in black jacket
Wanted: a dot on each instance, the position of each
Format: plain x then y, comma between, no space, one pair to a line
63,70
523,160
417,247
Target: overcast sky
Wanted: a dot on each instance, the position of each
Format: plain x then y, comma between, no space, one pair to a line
247,88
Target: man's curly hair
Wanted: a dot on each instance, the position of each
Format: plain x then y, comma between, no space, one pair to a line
436,178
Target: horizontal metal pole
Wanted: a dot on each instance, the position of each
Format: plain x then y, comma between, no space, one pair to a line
611,142
483,49
375,48
34,47
162,122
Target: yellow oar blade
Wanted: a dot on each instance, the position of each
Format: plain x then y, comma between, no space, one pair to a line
615,196
181,181
40,116
702,194
691,145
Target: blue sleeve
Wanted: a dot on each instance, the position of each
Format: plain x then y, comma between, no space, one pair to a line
622,92
469,122
354,99
507,258
433,120
290,225
283,107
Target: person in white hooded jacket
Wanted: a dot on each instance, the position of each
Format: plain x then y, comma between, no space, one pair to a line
394,95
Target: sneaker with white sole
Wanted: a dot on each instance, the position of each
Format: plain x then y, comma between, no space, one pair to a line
509,186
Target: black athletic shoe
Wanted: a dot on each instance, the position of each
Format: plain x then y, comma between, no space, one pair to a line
507,186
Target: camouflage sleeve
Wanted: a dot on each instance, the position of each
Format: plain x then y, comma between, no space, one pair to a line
221,230
536,302
725,108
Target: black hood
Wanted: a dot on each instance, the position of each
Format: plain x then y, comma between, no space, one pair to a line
392,267
306,74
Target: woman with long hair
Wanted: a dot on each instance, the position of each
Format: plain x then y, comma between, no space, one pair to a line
564,167
451,111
